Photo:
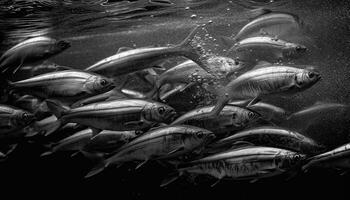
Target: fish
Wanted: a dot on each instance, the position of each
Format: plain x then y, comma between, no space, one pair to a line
13,119
31,51
337,158
273,137
29,71
231,118
246,163
110,95
266,48
84,140
311,115
67,85
274,114
161,143
188,72
268,81
131,60
117,115
273,23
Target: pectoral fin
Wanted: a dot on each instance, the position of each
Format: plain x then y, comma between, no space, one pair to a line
176,150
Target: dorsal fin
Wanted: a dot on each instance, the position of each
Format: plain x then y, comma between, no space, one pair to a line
122,49
255,13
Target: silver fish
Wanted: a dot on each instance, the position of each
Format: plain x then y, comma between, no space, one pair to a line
337,158
266,48
250,163
13,119
273,137
231,118
46,67
274,24
31,51
118,115
65,85
161,143
267,81
137,59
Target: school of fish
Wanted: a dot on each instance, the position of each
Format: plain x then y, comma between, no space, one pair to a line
205,115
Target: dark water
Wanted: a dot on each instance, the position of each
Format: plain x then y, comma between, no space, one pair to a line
96,29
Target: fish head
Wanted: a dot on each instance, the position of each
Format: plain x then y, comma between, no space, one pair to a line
306,78
52,48
160,112
293,50
60,46
23,118
200,136
99,84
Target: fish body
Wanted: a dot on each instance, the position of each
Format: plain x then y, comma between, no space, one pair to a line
274,24
266,48
64,84
118,115
138,59
249,163
231,118
31,51
267,81
273,137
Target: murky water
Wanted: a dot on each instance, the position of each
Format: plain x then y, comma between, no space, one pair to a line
97,29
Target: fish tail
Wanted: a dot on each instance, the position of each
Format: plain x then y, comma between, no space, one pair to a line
57,107
194,51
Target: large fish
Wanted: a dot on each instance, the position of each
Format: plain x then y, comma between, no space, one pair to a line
84,140
337,158
267,81
118,115
248,163
13,119
272,137
137,59
67,85
31,51
161,143
273,24
266,48
231,118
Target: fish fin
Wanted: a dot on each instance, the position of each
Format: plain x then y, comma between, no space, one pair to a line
159,65
74,154
171,178
48,129
254,180
216,182
258,12
254,101
95,132
17,68
98,157
141,164
12,147
219,106
161,2
122,49
262,64
97,169
176,150
46,153
195,52
57,107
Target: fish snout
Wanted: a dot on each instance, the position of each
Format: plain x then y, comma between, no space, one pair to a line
172,114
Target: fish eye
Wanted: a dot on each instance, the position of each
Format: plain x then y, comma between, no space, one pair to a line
311,75
300,48
236,62
200,134
25,116
103,82
234,115
161,110
250,115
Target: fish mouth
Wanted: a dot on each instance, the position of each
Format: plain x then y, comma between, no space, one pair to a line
171,116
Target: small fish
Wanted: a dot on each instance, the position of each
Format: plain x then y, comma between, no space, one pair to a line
267,81
248,163
269,112
337,158
231,118
273,24
189,72
137,59
67,85
161,143
31,51
118,115
273,137
265,48
13,119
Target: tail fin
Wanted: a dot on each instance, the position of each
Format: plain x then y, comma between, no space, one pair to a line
193,51
57,107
